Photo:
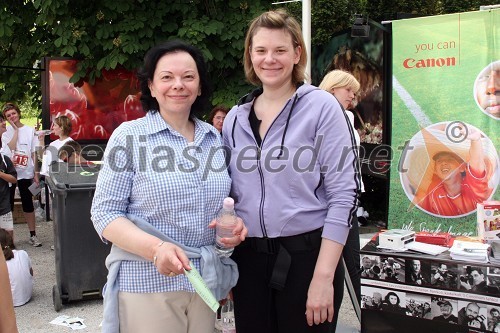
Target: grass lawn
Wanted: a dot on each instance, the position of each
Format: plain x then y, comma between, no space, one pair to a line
30,121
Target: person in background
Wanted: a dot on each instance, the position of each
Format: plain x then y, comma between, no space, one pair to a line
344,87
8,176
298,212
20,270
3,129
176,207
61,127
71,152
7,315
21,142
217,116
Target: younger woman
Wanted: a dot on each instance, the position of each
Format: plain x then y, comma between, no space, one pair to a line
295,193
61,127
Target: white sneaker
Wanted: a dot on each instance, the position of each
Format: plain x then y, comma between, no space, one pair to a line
34,241
218,325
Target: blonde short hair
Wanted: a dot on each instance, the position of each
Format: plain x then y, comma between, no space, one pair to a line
278,19
65,124
339,79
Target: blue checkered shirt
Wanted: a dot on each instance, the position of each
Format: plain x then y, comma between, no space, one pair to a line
151,171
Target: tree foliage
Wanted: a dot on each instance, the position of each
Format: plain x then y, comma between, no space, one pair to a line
328,17
104,34
381,10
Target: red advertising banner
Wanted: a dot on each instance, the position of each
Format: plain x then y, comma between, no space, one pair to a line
95,110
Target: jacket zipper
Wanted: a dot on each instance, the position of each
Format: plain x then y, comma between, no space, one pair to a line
263,192
259,167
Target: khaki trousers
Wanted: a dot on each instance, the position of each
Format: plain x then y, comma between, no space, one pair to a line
172,312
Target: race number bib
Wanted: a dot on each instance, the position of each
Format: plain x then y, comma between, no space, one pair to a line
20,159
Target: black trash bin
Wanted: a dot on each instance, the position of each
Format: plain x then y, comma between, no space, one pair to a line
79,252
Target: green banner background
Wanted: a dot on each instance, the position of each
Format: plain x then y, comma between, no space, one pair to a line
439,94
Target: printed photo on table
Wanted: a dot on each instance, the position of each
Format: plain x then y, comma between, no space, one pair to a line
418,305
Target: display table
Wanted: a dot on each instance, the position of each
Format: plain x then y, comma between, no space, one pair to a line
412,292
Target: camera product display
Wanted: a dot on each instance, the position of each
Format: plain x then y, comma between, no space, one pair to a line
488,221
395,239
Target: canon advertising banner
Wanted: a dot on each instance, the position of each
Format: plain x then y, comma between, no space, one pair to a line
445,120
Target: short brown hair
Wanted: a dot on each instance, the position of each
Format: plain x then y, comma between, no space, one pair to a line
214,111
69,148
7,244
10,106
65,123
278,19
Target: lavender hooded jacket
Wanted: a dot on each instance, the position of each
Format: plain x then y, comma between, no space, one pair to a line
305,176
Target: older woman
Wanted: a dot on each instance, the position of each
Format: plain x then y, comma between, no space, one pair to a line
156,195
344,87
217,116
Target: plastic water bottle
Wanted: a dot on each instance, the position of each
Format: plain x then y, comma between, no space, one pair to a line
227,317
43,132
226,222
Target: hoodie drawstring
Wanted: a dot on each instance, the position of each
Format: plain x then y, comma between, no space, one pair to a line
232,131
286,127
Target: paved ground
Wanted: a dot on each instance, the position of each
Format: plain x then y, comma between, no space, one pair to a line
35,317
